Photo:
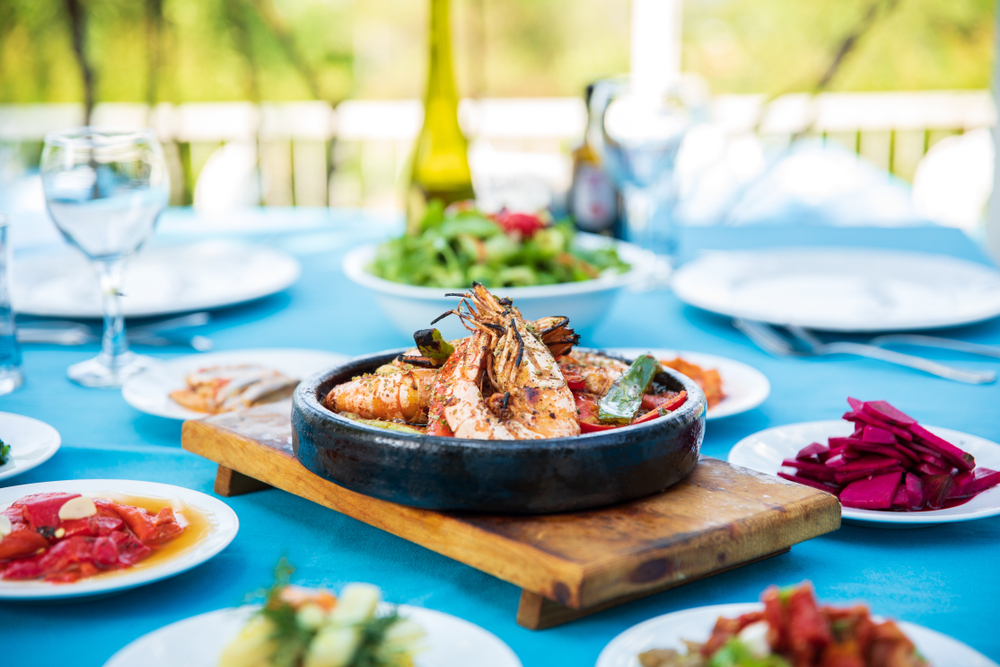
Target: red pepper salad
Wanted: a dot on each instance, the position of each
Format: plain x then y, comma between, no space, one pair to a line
63,537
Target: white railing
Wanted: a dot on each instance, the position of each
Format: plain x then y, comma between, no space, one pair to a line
306,153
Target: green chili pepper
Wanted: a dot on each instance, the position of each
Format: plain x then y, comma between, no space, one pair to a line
432,344
622,401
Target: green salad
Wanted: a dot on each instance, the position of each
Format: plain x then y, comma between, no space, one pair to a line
460,245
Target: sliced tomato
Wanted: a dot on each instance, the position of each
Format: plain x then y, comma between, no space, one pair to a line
670,400
586,406
525,224
574,380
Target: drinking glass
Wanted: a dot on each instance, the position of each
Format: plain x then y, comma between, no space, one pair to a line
639,135
105,190
10,353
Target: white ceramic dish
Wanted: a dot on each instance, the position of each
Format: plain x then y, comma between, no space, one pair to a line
668,630
149,391
411,308
745,386
57,281
32,443
765,450
223,520
198,641
841,289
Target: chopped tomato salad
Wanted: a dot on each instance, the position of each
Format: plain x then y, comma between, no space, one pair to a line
63,537
793,630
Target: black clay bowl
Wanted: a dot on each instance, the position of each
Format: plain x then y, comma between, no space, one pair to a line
501,477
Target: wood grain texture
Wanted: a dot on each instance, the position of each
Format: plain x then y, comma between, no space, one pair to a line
719,517
538,613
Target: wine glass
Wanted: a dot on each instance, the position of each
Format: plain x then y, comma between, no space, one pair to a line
638,131
105,190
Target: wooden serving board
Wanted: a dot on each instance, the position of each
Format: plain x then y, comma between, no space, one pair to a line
567,565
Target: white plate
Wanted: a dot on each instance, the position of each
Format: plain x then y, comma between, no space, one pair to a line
32,443
764,451
224,523
198,641
57,281
149,391
668,630
585,303
745,386
841,289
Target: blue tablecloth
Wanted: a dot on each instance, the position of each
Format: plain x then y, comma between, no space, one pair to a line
944,577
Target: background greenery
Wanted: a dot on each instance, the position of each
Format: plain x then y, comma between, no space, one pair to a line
201,50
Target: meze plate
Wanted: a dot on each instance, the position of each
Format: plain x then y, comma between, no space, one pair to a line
198,641
149,391
765,450
220,529
669,631
31,442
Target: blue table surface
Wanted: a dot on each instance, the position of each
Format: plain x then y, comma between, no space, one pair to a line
946,577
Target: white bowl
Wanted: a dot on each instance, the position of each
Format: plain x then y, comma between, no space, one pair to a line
585,303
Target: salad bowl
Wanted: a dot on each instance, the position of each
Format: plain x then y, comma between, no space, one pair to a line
585,303
495,476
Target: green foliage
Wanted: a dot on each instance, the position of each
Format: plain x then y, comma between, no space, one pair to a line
774,46
4,452
239,49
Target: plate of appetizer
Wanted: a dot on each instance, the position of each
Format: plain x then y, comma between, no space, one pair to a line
318,628
788,627
159,280
885,467
511,418
841,289
25,443
544,265
79,538
199,385
731,387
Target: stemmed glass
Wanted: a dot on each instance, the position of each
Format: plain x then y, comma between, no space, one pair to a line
105,190
638,131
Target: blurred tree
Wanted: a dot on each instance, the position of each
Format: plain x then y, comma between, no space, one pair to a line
188,50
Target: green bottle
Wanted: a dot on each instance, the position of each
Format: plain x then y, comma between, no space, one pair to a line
440,168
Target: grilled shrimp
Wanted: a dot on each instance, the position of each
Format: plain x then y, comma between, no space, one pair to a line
598,372
393,392
535,401
457,396
402,390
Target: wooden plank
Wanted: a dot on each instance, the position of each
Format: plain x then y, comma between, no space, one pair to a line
720,517
538,613
229,483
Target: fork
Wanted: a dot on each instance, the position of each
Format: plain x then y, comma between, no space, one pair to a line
935,341
771,341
